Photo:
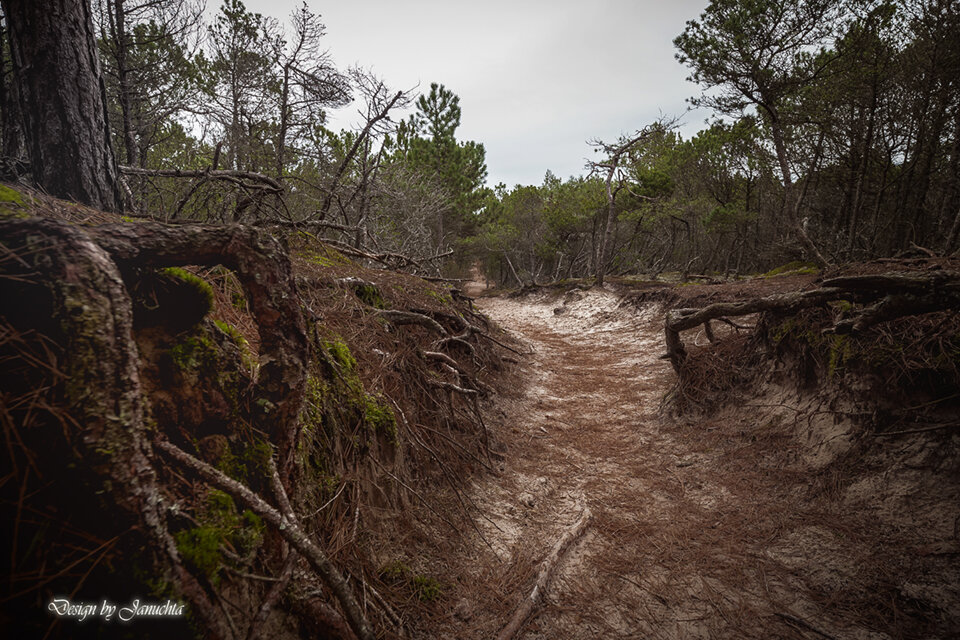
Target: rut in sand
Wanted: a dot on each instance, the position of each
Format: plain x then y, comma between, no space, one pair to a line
699,530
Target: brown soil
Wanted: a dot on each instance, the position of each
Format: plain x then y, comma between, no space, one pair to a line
754,522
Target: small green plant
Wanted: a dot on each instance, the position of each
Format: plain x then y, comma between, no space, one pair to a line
394,571
426,588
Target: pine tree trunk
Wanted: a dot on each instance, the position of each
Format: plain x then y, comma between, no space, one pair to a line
62,100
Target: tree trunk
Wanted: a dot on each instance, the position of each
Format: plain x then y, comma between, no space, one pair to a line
62,99
603,253
119,27
11,127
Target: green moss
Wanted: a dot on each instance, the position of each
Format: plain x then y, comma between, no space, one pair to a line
442,298
10,196
247,462
195,351
370,295
843,306
10,203
202,289
397,572
838,350
237,338
394,571
340,353
238,301
794,268
220,525
380,417
200,547
324,256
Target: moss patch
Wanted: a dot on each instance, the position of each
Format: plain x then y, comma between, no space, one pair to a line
199,288
380,417
10,203
221,525
370,295
425,588
247,462
794,268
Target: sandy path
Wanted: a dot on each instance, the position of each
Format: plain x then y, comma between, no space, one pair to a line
698,530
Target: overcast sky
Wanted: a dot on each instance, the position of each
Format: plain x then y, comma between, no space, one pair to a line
536,80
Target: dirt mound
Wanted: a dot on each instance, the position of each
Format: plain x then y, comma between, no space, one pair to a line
230,350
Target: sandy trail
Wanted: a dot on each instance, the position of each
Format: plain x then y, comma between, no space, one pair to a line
699,531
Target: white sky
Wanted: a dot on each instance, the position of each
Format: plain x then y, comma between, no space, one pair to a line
536,80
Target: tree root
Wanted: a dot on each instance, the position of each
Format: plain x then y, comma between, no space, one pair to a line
895,295
287,525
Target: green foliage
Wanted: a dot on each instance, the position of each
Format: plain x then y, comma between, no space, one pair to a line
427,589
427,143
754,51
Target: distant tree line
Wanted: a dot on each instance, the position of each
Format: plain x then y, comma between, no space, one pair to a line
834,139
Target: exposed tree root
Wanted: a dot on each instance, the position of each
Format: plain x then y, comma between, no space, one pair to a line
899,294
287,523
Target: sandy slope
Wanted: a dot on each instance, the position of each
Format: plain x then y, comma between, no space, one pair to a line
709,530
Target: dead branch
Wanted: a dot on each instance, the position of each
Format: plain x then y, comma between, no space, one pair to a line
287,525
449,386
544,575
409,317
259,180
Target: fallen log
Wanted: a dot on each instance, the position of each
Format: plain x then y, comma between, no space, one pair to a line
544,575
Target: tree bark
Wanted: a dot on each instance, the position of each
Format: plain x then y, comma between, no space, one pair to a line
63,100
101,370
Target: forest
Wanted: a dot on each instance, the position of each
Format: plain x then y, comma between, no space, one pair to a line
272,376
834,139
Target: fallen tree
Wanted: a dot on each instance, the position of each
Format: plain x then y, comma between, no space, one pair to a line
890,296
